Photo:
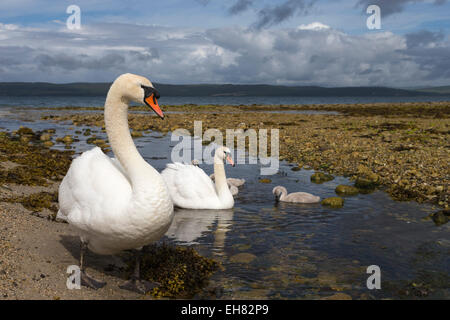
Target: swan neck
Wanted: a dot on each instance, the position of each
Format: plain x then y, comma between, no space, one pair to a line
220,178
117,129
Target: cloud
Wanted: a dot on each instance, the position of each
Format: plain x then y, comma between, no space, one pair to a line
311,54
313,26
240,6
269,16
423,38
389,7
429,51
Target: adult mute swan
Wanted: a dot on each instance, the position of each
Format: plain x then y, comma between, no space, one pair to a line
231,181
117,204
191,188
281,194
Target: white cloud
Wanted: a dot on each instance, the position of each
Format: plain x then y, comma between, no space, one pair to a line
313,26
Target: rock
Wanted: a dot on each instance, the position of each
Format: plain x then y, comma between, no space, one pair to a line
366,178
265,180
99,142
441,217
338,296
136,134
48,144
45,137
91,139
244,257
344,190
364,183
25,131
66,139
296,168
333,202
320,177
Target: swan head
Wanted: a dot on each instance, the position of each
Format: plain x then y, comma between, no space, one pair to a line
224,154
140,90
278,191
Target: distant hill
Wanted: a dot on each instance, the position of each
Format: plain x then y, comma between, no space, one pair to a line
100,89
440,90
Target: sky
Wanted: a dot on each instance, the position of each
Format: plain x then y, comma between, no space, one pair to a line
285,42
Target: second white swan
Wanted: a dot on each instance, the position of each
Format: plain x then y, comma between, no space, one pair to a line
191,188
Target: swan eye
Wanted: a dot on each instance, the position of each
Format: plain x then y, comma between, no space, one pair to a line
148,91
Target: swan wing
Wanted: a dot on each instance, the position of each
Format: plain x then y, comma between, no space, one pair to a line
189,186
94,191
302,197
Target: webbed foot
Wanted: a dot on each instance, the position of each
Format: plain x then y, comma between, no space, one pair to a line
139,286
90,282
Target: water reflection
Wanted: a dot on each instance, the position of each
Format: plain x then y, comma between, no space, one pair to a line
189,226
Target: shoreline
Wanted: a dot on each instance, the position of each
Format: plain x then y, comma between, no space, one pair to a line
347,145
403,152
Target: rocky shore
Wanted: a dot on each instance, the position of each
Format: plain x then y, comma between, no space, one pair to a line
36,248
402,148
404,152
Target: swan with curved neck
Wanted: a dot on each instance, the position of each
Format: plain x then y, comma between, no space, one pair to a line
191,188
236,182
117,204
281,194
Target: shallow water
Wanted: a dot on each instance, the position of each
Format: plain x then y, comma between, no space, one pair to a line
298,251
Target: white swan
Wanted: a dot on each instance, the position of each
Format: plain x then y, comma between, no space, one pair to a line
117,204
231,181
191,188
281,194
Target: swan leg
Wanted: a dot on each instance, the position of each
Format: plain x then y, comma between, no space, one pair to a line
135,283
87,280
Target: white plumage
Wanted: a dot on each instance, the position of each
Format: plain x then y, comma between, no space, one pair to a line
191,188
116,204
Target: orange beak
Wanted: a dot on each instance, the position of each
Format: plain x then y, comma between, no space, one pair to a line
230,161
153,103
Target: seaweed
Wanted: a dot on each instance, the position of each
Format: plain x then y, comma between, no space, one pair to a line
37,165
37,201
180,271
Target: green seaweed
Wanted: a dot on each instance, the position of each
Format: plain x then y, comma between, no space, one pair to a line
37,165
180,271
37,201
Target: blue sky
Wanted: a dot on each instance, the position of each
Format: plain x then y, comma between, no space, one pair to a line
293,42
